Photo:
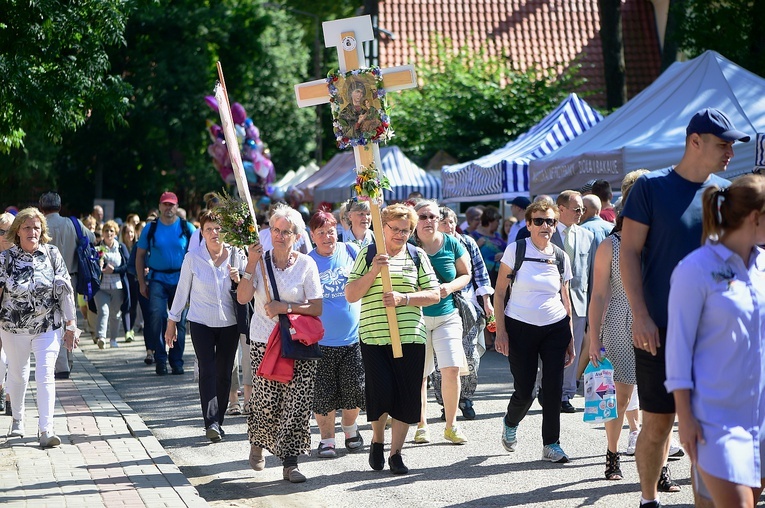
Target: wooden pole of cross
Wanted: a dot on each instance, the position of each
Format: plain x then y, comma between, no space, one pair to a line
347,35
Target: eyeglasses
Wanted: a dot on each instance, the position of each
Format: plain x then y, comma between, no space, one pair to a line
282,232
428,217
576,210
399,232
538,221
213,230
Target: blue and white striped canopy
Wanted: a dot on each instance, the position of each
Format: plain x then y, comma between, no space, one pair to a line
405,177
504,173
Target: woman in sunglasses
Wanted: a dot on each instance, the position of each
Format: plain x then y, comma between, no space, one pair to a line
536,324
451,262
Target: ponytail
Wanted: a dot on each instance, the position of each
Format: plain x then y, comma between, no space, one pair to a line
712,200
726,209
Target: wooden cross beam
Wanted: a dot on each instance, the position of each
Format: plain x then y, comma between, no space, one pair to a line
347,35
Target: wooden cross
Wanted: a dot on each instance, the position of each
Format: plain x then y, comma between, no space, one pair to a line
347,35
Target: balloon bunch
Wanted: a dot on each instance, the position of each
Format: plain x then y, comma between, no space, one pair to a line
256,158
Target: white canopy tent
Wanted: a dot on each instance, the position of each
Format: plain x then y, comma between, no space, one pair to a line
295,177
504,173
333,182
649,131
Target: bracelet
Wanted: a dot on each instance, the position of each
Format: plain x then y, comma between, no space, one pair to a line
407,299
247,276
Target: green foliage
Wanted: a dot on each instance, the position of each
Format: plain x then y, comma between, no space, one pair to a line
469,104
54,67
733,28
169,59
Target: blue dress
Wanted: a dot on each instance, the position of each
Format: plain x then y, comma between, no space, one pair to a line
715,344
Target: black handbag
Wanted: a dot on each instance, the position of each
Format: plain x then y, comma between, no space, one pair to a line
290,348
243,310
469,314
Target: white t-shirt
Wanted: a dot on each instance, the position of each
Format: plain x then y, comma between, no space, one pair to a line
535,297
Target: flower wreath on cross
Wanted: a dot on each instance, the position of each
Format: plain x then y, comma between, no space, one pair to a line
370,183
363,118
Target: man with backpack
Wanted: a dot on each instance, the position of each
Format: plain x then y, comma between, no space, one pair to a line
161,248
64,236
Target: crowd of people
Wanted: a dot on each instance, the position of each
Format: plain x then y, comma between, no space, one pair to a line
668,283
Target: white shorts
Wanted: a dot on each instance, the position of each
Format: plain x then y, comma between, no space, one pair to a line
444,334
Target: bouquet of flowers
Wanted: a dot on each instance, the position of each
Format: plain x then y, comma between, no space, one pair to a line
237,225
101,250
370,183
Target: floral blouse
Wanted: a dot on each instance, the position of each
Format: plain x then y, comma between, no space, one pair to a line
37,293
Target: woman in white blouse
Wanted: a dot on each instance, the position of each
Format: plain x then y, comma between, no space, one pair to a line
208,273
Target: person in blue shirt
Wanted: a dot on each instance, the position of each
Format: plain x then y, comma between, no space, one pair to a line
662,224
340,371
163,254
715,343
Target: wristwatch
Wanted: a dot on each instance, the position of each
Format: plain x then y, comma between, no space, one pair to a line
289,308
71,328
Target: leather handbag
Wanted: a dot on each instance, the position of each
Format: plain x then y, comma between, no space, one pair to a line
300,334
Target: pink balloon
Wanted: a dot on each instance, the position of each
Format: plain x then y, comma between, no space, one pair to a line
212,102
238,114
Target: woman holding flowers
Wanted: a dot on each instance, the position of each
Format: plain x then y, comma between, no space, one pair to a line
113,297
208,274
279,422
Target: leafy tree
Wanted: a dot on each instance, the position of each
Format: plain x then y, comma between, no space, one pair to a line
470,104
169,59
732,28
54,67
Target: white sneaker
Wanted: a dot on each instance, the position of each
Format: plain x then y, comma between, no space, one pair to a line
17,429
632,442
49,440
113,343
675,450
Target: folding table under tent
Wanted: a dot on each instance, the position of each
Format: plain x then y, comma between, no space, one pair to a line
504,173
649,130
333,182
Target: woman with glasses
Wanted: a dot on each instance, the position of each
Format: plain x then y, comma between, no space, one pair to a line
490,241
536,325
280,412
113,297
443,324
207,275
478,292
392,385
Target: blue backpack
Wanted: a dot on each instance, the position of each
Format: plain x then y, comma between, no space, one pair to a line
88,267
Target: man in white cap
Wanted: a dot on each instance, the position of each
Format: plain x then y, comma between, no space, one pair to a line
166,240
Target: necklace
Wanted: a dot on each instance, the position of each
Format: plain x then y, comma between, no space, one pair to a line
290,262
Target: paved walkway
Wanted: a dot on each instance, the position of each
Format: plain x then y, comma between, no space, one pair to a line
108,456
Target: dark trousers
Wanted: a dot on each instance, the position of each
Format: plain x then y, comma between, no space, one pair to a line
527,344
215,349
160,298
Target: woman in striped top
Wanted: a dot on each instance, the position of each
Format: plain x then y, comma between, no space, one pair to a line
393,384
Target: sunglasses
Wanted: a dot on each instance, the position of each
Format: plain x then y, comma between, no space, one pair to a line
538,221
576,210
428,217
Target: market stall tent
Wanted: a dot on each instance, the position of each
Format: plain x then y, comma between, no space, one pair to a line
649,130
333,182
504,173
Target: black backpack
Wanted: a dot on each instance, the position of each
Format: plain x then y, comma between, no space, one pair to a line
185,231
372,251
88,267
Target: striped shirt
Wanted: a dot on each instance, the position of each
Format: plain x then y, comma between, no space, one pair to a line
374,328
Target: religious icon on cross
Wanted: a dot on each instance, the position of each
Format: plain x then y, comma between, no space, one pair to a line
360,116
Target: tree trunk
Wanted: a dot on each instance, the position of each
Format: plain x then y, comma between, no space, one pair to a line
613,52
757,38
674,18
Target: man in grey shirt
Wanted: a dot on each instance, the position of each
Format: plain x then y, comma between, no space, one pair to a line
64,236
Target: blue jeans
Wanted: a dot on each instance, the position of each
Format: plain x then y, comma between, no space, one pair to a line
160,298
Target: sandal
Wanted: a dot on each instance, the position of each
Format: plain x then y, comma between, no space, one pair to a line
613,469
666,483
326,451
234,409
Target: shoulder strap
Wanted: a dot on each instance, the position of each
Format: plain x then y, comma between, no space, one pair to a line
77,227
560,259
269,265
520,256
350,251
372,251
152,231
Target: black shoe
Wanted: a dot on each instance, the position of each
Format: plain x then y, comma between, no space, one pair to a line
177,371
652,504
466,405
61,375
376,456
540,399
443,415
396,464
566,407
161,369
